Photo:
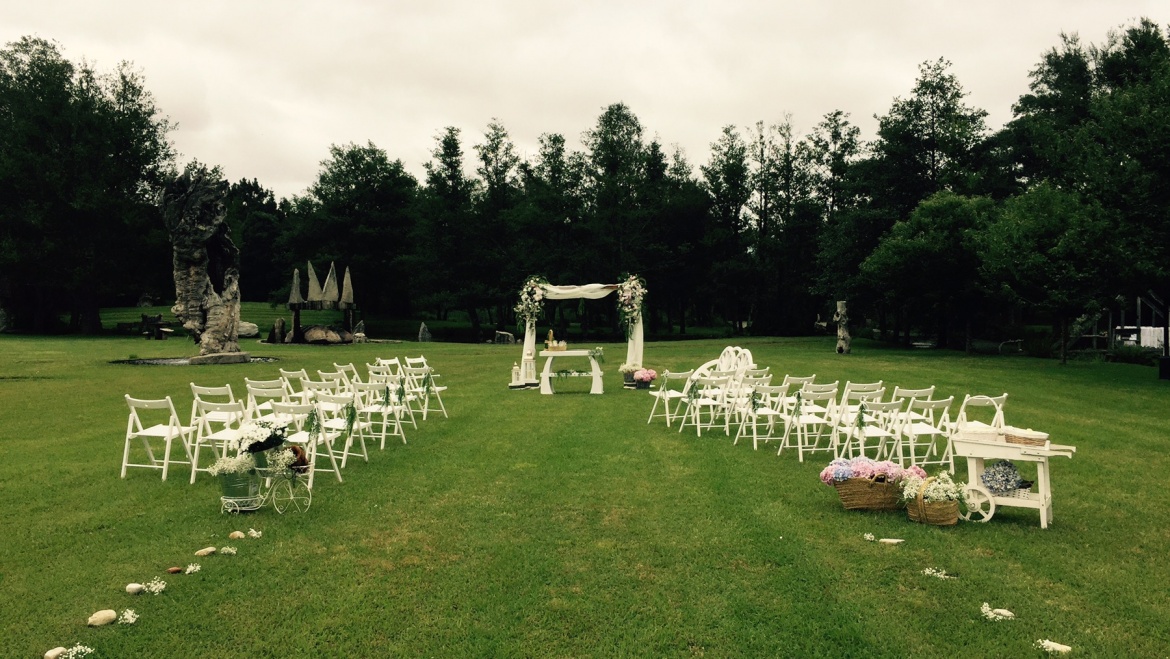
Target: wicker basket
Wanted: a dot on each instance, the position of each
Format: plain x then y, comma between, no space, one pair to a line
944,513
867,494
1026,437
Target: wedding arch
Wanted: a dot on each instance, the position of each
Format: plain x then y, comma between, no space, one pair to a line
630,293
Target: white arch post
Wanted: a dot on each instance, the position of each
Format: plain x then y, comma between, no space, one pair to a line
634,343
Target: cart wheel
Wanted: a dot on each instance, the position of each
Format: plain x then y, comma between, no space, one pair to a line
980,505
291,493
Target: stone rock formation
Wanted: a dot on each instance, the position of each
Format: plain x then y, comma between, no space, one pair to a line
206,263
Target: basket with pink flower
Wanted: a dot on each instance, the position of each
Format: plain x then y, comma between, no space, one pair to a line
866,484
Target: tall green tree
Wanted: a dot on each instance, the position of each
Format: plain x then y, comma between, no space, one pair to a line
83,157
359,214
1051,250
929,263
727,179
256,222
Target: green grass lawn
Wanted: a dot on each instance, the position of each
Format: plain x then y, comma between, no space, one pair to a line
529,525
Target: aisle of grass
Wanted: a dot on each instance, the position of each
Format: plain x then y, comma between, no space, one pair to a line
564,525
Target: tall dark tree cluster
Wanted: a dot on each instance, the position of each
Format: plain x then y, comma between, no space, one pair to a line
83,157
938,227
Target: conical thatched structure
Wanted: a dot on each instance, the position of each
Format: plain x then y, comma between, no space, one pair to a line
346,301
314,286
329,295
294,295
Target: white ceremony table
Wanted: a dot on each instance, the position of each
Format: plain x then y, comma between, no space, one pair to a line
547,374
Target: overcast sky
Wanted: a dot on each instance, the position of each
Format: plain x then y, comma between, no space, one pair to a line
263,87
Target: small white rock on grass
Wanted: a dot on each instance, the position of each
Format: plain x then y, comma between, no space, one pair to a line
891,541
55,653
995,614
206,551
1052,647
103,617
135,588
236,535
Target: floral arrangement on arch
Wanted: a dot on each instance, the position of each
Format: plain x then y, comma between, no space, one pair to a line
884,471
531,303
630,294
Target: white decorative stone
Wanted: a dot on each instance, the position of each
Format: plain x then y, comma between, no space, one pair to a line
237,535
135,588
55,653
1003,613
103,617
891,541
206,551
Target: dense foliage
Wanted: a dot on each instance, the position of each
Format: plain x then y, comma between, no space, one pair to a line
937,228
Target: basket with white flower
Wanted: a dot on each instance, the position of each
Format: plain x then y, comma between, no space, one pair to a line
865,484
934,500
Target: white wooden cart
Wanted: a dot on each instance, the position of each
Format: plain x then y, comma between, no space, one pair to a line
981,445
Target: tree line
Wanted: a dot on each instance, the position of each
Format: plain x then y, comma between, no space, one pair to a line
938,227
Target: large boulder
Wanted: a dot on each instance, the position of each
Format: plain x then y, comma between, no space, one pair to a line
324,335
248,330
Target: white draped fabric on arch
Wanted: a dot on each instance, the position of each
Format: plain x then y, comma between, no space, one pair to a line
630,293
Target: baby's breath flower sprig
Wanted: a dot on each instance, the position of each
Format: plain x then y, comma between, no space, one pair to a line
128,617
192,568
155,586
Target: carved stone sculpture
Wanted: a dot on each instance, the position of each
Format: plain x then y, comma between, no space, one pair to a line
206,262
842,320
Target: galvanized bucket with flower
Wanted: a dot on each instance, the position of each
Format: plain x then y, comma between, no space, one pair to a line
643,377
237,468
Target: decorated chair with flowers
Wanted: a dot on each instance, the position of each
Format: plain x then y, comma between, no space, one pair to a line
339,414
420,381
874,426
765,405
306,430
379,405
704,394
670,394
808,419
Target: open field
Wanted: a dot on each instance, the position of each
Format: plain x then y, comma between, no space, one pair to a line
529,525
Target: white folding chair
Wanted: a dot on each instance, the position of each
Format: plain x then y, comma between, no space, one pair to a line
926,427
704,393
420,381
808,418
258,403
292,383
908,396
216,395
766,404
349,371
378,406
157,427
216,426
339,414
873,421
669,393
393,364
